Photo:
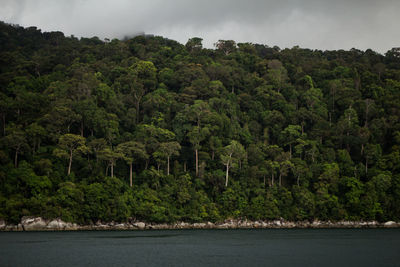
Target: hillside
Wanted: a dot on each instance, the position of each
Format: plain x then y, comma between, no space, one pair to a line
151,129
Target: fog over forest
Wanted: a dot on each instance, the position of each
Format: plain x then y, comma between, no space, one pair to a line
324,25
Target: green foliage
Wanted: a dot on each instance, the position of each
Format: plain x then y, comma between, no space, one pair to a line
240,131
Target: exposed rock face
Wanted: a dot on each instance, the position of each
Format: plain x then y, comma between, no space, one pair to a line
121,226
12,227
199,225
71,227
140,225
390,224
210,225
57,224
40,224
33,224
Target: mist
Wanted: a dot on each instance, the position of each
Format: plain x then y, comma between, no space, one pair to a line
324,25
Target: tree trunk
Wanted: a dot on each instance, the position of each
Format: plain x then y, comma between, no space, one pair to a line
4,124
112,169
82,128
298,180
137,110
227,175
130,174
168,165
16,158
290,151
272,179
330,119
366,166
70,162
264,180
280,179
197,162
34,147
184,166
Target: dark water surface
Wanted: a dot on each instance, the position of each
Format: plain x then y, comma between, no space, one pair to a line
294,247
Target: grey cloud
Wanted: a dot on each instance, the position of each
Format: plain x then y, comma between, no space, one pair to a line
316,24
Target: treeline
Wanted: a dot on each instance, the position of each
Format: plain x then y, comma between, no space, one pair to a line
150,129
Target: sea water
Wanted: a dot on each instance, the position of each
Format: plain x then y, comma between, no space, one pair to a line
253,247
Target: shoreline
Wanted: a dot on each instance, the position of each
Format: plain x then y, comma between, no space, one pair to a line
40,224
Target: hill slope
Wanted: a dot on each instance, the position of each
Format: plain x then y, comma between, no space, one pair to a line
244,130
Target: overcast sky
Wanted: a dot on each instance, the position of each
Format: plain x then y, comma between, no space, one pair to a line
315,24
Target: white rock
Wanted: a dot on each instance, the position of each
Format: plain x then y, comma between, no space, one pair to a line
140,225
57,224
11,227
390,224
290,225
316,223
2,224
102,227
223,226
33,224
120,226
54,225
199,225
160,226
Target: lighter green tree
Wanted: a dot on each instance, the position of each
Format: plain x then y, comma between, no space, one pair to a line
130,151
169,149
110,156
70,145
290,135
16,139
196,136
230,157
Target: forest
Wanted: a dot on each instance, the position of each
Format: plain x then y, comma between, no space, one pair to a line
151,129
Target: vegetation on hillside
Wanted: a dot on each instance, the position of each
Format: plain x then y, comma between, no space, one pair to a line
158,131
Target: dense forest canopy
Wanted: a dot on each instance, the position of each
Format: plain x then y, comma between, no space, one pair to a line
151,129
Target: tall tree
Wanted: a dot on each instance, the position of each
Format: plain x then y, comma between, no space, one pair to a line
196,136
226,46
194,44
290,135
110,156
69,145
230,157
169,149
130,151
15,139
142,78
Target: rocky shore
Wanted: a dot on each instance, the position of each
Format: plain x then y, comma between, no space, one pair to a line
40,224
